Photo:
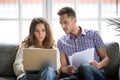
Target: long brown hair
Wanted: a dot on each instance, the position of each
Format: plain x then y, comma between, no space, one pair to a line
31,40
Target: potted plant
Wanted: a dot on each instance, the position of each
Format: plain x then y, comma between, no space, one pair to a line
115,22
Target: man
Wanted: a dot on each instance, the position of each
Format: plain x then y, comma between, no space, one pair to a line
78,39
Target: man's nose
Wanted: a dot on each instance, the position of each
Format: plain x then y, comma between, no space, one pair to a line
62,25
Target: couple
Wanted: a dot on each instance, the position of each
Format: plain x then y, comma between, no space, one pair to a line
75,40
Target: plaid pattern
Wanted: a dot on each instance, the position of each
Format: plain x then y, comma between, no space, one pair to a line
88,39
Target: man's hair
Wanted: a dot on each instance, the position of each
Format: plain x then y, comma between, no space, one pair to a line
67,10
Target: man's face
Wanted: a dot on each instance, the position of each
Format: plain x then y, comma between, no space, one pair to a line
67,23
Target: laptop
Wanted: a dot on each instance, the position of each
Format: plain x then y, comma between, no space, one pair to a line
34,58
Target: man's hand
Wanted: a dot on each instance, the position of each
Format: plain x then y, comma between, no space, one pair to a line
95,64
71,70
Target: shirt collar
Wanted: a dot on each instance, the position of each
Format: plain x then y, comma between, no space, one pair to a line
82,33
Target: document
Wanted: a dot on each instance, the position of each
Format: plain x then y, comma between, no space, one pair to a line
82,57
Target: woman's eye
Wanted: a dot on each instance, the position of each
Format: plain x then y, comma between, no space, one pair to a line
36,31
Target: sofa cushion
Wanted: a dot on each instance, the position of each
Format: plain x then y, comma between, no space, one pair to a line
7,57
7,78
113,54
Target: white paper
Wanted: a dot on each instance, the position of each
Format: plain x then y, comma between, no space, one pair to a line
82,57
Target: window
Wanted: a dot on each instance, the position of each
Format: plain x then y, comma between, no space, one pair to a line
91,14
16,16
29,10
87,13
9,31
110,9
57,4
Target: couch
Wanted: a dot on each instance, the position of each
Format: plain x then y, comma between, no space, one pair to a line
113,69
8,53
7,57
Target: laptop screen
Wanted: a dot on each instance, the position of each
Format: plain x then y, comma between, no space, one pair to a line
34,58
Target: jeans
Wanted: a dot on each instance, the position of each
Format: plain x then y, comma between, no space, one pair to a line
46,73
86,72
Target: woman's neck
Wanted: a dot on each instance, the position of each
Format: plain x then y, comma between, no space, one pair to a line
38,45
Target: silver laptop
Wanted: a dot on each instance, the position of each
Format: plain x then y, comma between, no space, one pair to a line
34,58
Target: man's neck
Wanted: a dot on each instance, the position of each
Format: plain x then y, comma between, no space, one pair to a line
77,32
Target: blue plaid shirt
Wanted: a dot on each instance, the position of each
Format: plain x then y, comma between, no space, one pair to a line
88,39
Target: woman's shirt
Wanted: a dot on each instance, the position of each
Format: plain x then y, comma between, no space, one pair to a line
18,64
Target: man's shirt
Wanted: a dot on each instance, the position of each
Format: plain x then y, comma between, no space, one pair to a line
87,39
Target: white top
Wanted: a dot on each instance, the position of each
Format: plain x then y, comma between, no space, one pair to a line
18,64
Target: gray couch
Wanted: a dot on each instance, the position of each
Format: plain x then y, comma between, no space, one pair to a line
8,52
7,57
113,69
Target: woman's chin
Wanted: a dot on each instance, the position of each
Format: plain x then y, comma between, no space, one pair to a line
40,40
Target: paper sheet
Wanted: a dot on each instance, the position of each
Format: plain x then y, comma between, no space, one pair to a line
82,57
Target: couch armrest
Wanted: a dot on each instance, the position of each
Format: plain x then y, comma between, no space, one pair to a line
119,67
119,71
113,54
7,56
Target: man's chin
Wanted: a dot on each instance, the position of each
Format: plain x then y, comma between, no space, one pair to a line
66,32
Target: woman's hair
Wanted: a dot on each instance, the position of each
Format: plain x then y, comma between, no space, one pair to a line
31,39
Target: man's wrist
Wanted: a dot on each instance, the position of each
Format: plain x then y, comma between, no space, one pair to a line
64,70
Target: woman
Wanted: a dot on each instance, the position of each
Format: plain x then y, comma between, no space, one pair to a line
40,36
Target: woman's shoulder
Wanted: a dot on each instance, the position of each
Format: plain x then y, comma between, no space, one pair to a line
22,45
54,47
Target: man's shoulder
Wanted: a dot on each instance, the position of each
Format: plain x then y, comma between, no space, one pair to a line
90,31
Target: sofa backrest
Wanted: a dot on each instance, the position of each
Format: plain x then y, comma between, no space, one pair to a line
113,53
8,53
7,57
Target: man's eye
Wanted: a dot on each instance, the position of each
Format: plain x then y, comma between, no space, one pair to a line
43,30
65,22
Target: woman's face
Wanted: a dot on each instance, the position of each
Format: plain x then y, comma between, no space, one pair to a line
40,32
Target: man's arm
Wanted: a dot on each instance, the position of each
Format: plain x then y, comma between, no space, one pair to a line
64,63
104,58
65,68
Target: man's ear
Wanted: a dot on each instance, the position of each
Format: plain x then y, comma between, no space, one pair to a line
75,20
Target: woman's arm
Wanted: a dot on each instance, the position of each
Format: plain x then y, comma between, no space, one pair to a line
18,64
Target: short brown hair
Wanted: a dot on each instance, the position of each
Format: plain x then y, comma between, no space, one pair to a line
67,10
